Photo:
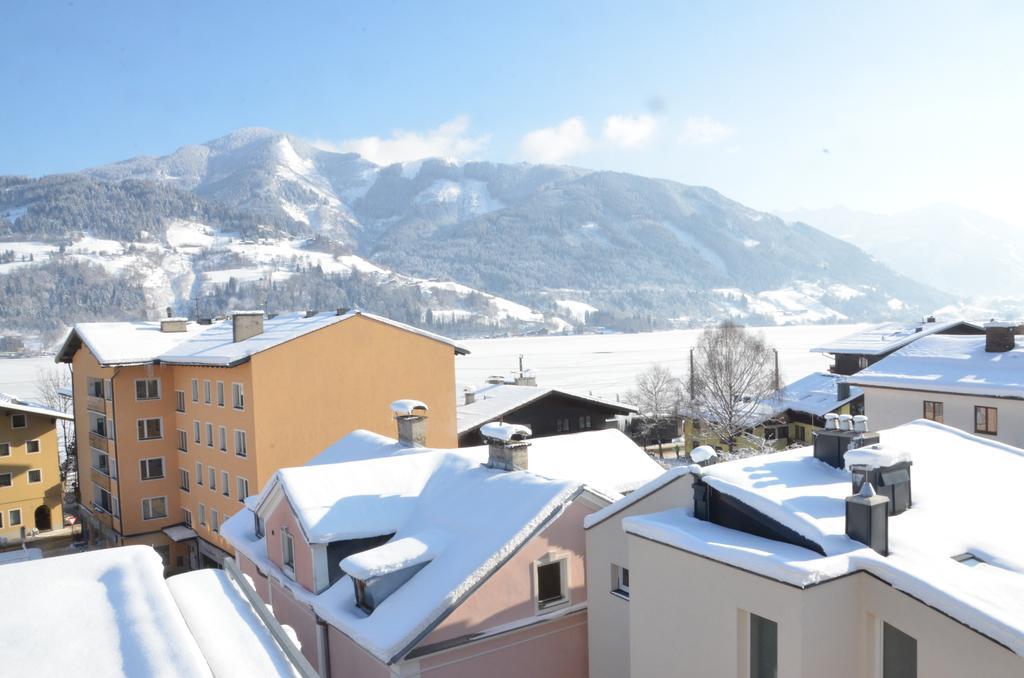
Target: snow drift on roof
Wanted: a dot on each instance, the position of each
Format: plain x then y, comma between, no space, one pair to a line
12,402
492,401
884,337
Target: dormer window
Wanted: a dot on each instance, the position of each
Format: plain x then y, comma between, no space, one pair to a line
257,525
287,552
379,572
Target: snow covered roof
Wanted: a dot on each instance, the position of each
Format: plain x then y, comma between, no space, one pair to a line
12,402
808,497
644,490
887,337
949,364
816,394
493,401
441,506
121,618
134,343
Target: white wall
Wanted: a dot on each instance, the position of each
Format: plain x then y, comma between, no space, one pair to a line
887,408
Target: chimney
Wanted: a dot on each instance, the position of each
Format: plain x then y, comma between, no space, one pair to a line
867,519
496,379
930,319
841,434
507,448
526,379
470,396
341,310
246,324
173,325
411,417
831,421
310,313
842,389
845,422
860,423
999,337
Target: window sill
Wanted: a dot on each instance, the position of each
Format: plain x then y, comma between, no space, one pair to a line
552,606
153,478
620,594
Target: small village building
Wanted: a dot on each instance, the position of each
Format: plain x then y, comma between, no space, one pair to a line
859,350
178,422
111,613
392,559
819,561
546,411
974,383
31,490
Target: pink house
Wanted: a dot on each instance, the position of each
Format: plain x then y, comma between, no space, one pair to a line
389,559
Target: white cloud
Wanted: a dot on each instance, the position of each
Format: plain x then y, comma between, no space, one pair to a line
705,130
629,131
447,140
555,144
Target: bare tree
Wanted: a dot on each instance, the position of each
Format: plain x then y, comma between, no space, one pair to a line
52,381
657,396
733,382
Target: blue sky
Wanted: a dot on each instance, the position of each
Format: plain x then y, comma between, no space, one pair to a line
916,103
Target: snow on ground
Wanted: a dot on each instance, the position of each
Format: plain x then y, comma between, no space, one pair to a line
19,376
606,365
844,292
577,310
750,243
189,234
472,196
896,304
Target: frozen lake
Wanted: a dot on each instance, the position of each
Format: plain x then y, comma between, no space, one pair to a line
604,364
607,364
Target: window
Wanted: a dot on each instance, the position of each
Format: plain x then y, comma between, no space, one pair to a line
182,441
14,517
237,397
240,448
5,449
147,389
287,551
206,391
209,434
151,469
6,480
986,420
899,653
202,514
213,478
225,484
214,520
179,401
186,517
1,519
35,475
154,507
150,429
220,394
183,479
562,425
551,584
243,488
32,446
195,390
257,524
764,647
98,425
104,501
223,436
620,581
94,387
108,389
799,432
197,436
584,422
199,473
19,421
933,410
101,461
862,363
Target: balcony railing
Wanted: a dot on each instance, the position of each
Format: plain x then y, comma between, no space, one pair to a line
94,404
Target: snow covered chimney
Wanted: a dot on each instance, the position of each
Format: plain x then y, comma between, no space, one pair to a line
496,379
411,417
246,324
845,422
860,423
507,448
999,337
174,325
867,519
831,421
470,396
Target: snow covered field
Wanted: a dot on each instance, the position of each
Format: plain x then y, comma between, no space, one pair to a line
607,364
18,376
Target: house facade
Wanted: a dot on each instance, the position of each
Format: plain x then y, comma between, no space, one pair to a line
757,567
972,382
31,491
178,423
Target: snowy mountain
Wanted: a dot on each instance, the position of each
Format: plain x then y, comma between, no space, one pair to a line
263,218
920,244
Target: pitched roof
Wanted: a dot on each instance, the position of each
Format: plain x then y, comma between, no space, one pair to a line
886,337
816,394
124,619
135,343
808,497
949,364
12,402
494,401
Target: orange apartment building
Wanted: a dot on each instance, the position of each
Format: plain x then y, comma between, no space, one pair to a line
178,422
30,483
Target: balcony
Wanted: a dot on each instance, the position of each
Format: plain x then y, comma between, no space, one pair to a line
94,404
101,443
100,477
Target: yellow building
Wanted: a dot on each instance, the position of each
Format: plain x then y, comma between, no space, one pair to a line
179,422
30,483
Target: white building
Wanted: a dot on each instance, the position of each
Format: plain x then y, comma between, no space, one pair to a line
973,383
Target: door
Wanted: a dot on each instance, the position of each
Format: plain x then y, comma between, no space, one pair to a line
43,518
193,556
